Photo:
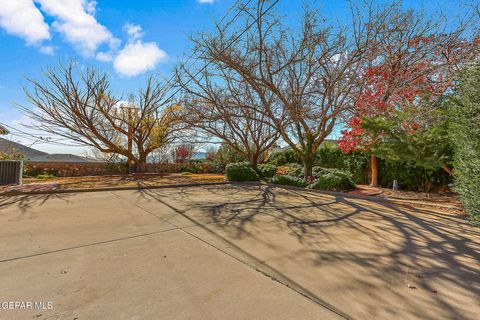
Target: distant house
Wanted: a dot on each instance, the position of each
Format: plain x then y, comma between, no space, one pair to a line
34,155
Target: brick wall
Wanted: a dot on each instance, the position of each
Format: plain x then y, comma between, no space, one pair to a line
74,169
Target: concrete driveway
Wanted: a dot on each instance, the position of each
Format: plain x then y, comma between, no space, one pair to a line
233,252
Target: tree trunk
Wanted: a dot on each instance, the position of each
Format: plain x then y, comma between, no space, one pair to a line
141,164
254,161
374,165
308,166
131,165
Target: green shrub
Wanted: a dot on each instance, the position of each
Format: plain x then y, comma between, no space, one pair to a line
357,163
241,171
289,181
284,157
45,176
474,220
190,167
29,171
332,179
295,170
266,170
226,154
117,166
212,167
329,156
465,136
319,171
409,176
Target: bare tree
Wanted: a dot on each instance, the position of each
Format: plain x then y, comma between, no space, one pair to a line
80,106
223,106
94,153
161,155
311,71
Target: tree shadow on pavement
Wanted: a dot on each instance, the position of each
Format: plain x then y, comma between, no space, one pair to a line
24,202
399,261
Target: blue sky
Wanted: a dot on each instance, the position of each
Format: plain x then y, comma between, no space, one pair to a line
129,39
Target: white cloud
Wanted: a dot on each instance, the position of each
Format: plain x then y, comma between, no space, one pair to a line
48,50
138,57
205,1
75,21
104,56
134,31
23,19
91,7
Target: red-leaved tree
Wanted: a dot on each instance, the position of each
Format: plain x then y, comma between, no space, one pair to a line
407,72
184,152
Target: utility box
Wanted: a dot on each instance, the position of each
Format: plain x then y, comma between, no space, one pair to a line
11,172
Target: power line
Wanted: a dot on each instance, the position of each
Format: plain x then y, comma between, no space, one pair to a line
221,21
23,134
227,47
202,69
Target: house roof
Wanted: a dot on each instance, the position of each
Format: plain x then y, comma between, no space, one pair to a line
34,155
8,146
59,157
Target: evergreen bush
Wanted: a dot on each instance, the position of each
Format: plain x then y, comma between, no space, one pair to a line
241,171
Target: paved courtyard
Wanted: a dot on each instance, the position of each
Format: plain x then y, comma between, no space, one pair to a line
234,252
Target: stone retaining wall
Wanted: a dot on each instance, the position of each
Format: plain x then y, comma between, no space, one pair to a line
78,169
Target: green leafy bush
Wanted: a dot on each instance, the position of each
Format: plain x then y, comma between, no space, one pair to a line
190,167
295,170
45,176
409,176
332,179
241,171
357,163
465,134
226,154
266,170
289,181
329,156
213,167
319,171
30,171
284,157
117,166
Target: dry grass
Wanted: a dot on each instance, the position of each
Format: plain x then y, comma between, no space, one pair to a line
113,181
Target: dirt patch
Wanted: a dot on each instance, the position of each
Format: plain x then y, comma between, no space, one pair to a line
445,202
94,182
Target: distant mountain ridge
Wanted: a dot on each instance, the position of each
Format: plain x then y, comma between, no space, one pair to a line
34,155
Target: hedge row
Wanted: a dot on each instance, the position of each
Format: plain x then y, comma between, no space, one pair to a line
409,177
324,178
